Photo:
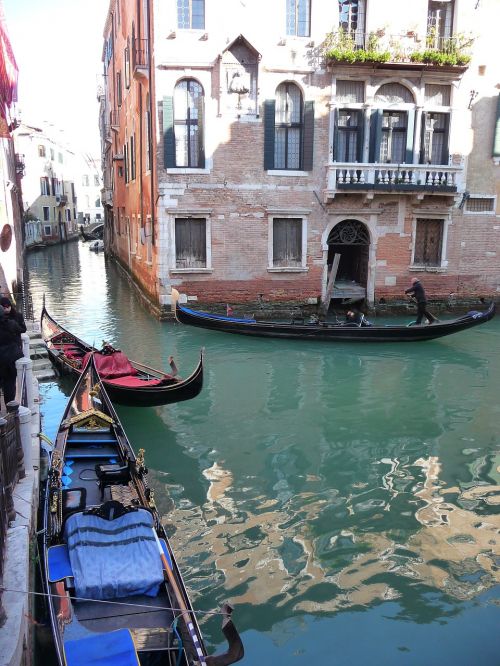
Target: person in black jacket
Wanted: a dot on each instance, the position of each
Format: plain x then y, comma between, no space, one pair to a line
418,292
10,351
12,314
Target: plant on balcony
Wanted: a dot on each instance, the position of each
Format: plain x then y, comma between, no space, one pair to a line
451,51
342,47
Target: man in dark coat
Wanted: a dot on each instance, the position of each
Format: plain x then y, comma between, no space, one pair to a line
10,351
12,314
418,292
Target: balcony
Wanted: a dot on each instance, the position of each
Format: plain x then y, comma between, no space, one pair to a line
114,120
140,65
407,50
20,165
61,199
371,179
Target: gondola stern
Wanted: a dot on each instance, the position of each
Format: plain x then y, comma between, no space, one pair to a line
235,651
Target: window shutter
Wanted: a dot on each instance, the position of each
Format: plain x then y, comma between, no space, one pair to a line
375,134
308,136
201,133
446,140
269,122
410,134
168,132
496,133
335,139
422,138
361,137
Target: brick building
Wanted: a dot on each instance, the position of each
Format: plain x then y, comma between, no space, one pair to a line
241,154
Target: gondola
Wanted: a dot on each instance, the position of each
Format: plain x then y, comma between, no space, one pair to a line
95,234
115,594
332,332
127,382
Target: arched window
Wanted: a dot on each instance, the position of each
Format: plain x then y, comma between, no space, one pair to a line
188,113
289,126
393,127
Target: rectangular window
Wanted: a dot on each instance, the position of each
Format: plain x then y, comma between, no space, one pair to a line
352,19
68,215
147,126
480,205
41,151
47,230
287,242
149,239
45,186
52,154
60,157
191,14
126,59
132,157
46,213
435,141
437,95
97,182
393,143
348,136
298,18
190,242
428,242
439,23
119,88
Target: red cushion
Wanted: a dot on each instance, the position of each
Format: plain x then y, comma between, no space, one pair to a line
112,366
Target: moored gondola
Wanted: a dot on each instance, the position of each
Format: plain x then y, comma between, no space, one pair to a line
115,592
332,332
127,382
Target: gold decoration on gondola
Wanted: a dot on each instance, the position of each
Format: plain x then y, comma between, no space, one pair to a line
139,461
91,419
53,504
151,501
95,390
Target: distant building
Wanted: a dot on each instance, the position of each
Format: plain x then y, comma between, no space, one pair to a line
241,155
49,194
88,184
11,241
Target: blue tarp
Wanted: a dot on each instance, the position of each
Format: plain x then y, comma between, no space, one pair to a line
208,315
115,648
114,558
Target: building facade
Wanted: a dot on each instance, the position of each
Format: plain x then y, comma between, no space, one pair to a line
49,195
88,183
246,154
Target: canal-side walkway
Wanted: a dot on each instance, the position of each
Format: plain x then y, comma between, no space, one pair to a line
21,556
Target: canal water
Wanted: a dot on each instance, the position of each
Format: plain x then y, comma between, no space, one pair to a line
343,497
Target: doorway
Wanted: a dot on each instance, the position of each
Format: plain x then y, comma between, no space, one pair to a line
350,239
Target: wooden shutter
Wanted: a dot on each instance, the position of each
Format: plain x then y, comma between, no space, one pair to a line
308,136
361,136
410,134
269,126
375,134
446,140
168,133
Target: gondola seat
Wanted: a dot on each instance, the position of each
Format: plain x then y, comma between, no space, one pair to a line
117,647
115,557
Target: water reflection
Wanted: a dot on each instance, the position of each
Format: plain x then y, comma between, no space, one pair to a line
311,481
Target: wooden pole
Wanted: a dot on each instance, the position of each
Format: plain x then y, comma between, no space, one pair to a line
331,283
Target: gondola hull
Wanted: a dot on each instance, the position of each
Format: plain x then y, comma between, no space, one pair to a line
114,589
150,389
329,332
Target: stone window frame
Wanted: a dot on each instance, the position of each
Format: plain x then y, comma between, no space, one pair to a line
491,197
443,263
205,214
278,213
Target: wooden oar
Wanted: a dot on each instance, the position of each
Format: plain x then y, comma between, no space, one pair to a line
180,599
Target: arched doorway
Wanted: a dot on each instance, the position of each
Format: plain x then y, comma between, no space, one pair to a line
350,239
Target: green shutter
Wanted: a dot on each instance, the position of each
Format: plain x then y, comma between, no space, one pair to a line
496,134
335,138
308,136
375,134
269,122
410,134
168,132
361,137
423,125
446,140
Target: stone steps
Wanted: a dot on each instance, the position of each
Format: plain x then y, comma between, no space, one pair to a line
42,366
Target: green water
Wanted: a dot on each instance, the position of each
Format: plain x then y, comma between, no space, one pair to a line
344,498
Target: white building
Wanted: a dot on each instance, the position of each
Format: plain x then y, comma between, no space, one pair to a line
49,194
88,184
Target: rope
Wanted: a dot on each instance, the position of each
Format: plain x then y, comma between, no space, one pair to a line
116,603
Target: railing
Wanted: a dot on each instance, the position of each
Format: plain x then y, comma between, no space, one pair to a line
411,177
20,164
140,55
114,118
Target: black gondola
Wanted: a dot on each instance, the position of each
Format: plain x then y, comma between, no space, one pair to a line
96,233
332,332
127,382
115,592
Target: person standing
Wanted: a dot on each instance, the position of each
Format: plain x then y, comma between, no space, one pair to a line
13,315
418,292
10,351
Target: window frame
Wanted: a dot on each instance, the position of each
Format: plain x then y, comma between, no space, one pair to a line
293,12
190,17
189,123
284,215
442,262
287,126
193,214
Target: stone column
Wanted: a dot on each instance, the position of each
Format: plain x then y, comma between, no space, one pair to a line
26,344
13,408
26,365
26,439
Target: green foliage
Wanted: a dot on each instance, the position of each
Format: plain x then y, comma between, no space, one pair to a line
440,58
342,47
